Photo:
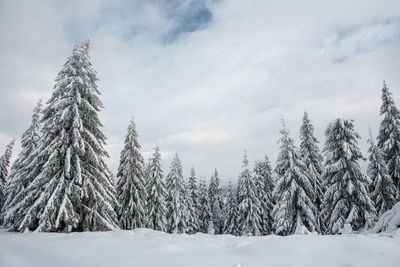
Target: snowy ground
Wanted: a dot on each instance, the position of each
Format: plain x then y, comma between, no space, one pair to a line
144,247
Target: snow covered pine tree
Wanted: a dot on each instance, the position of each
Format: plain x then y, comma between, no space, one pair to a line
216,203
265,187
205,209
192,201
389,136
313,159
231,213
18,175
71,188
383,191
156,208
4,164
248,203
346,202
176,206
131,189
294,192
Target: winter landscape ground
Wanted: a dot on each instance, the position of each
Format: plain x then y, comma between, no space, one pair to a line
144,247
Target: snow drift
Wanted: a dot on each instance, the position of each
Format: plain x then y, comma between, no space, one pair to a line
389,221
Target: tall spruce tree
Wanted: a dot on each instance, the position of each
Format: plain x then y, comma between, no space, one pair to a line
346,203
205,209
191,221
248,203
176,206
131,188
265,187
4,164
18,175
231,213
389,136
382,190
71,188
216,203
313,159
193,203
157,210
294,190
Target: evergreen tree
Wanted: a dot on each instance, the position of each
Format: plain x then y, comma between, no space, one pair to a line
72,188
18,175
176,206
4,164
383,189
216,203
313,159
294,190
157,210
193,203
131,190
231,213
205,209
248,203
146,172
191,222
346,200
264,187
389,137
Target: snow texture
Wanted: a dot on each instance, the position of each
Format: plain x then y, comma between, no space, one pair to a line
147,248
389,221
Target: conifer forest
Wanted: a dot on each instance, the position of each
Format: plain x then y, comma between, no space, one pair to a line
59,182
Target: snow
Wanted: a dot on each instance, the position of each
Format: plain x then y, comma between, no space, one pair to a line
144,247
389,221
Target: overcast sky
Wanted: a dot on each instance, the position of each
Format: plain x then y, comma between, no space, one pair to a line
207,79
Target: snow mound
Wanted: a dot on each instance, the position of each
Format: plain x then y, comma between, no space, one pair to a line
389,221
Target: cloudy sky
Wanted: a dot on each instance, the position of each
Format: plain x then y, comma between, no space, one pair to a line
206,78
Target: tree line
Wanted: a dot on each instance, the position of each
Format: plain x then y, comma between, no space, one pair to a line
60,182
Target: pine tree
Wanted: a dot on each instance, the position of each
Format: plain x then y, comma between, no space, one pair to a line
389,136
4,164
193,204
265,187
216,203
248,203
205,209
346,200
72,188
383,189
231,213
157,210
294,190
313,159
176,206
18,175
131,190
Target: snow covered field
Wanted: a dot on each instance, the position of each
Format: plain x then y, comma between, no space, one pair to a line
143,247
